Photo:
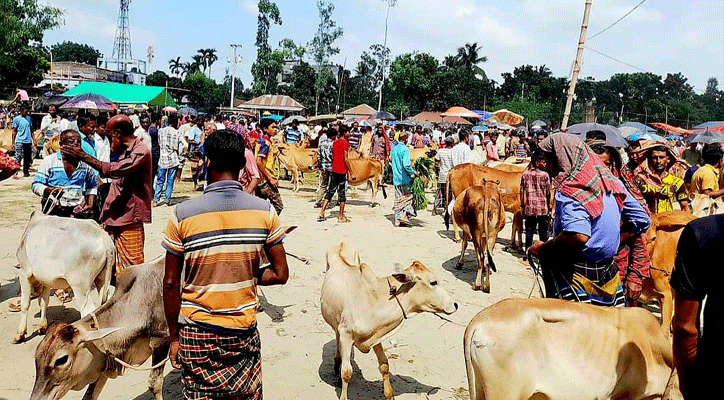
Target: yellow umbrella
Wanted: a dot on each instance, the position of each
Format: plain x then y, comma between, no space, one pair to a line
461,112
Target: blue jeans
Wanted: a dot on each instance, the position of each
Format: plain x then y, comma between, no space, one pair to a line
168,176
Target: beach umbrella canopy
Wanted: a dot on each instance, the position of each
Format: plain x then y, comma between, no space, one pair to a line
384,115
636,126
168,109
460,112
289,120
409,122
613,135
707,137
186,110
89,101
479,128
539,123
318,119
507,117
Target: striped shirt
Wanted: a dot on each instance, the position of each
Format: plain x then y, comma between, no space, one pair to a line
222,236
51,173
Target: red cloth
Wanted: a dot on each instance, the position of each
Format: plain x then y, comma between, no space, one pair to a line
535,190
339,147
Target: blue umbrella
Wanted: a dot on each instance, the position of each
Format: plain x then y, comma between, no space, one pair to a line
645,136
613,135
638,125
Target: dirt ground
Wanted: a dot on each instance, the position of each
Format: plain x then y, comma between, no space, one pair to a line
426,355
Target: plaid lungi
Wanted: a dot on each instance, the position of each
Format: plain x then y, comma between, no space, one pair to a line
216,366
598,284
403,203
440,201
129,241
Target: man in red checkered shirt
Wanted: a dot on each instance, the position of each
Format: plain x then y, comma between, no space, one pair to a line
535,199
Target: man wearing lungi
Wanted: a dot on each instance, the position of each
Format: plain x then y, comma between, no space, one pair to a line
214,246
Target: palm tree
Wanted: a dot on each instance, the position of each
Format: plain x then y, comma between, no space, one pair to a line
198,63
469,57
174,65
211,58
184,68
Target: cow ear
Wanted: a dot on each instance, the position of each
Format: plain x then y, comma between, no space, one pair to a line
404,277
90,336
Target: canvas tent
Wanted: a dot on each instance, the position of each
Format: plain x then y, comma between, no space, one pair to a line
272,102
125,94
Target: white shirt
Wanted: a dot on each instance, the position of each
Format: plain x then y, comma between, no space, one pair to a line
220,126
436,136
103,151
461,154
51,126
145,138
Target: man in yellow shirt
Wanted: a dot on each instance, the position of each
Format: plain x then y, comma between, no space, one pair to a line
706,178
659,187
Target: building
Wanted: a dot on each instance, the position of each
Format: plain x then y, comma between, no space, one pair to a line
70,74
134,69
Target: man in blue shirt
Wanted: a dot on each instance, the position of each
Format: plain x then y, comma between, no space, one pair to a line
23,140
293,135
594,213
402,175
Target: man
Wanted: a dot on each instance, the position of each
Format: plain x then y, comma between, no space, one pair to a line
193,137
249,176
338,175
402,175
23,140
461,153
418,141
103,153
128,205
67,179
659,187
697,346
324,164
436,136
706,179
355,136
87,128
50,124
444,161
692,155
594,213
218,351
135,119
155,147
491,153
293,135
142,131
266,158
219,122
535,195
21,96
633,261
169,140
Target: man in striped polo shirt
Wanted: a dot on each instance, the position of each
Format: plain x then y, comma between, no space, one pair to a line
216,242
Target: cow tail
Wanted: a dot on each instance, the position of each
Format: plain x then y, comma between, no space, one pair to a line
469,365
488,242
447,202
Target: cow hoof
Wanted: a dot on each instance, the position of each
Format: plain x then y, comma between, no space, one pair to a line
476,286
42,329
459,266
486,288
19,338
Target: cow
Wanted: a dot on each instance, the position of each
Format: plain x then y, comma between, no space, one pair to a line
363,309
662,238
465,175
131,326
564,350
479,212
297,160
421,152
62,253
703,205
361,170
7,142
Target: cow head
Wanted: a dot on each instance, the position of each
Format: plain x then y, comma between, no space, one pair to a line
703,205
66,359
423,292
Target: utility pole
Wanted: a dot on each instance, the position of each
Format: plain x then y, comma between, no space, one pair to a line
577,64
233,73
390,3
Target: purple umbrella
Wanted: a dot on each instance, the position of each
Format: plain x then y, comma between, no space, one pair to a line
90,101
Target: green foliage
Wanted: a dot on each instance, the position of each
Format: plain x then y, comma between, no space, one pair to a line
265,70
76,52
268,13
322,48
23,59
204,93
301,86
157,78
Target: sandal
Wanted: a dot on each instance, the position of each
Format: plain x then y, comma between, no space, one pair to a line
320,218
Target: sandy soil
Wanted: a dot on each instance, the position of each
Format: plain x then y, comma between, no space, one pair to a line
426,355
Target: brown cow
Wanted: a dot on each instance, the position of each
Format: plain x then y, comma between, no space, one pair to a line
297,160
361,170
465,175
479,212
662,238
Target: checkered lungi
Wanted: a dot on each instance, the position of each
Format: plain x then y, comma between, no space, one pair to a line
598,284
218,366
402,207
129,241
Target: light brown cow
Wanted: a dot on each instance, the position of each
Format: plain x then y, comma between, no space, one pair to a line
421,152
662,239
363,309
465,175
297,160
362,170
703,205
563,350
7,143
479,212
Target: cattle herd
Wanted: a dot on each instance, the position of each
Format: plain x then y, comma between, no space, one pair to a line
515,349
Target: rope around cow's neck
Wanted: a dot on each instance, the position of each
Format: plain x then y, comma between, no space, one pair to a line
118,360
393,293
53,200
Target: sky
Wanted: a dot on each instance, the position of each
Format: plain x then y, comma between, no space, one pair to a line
660,36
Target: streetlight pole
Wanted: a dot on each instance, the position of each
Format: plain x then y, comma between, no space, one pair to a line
233,75
577,64
390,3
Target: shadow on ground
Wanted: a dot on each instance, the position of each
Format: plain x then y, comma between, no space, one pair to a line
171,387
361,388
413,222
9,290
276,313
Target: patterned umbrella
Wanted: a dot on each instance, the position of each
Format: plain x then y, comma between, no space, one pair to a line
89,101
507,117
168,109
185,110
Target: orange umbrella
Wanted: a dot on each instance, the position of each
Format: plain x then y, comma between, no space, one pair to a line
461,112
507,117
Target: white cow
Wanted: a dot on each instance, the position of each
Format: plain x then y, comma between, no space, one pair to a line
560,350
363,309
62,253
703,205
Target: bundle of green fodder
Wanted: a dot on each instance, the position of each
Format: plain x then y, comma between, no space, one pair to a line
424,168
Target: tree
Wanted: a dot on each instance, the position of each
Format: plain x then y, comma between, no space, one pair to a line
301,85
157,78
712,86
469,57
267,65
204,93
174,65
23,59
292,50
268,13
76,52
206,57
197,64
322,47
